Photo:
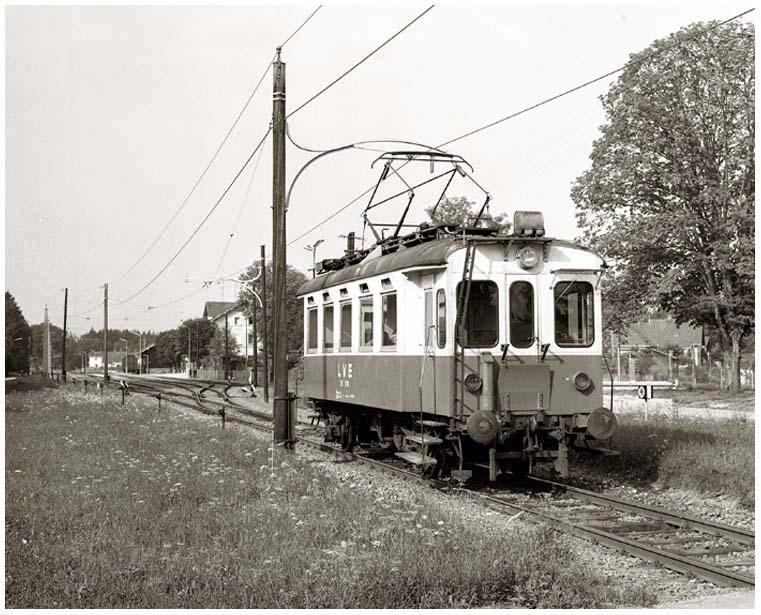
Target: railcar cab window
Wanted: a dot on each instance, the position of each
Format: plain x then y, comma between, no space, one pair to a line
388,302
441,317
328,326
312,329
366,323
521,314
482,314
574,314
345,315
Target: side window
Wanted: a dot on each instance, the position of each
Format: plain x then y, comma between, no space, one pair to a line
366,323
574,314
441,317
482,315
312,330
388,302
345,326
327,328
521,314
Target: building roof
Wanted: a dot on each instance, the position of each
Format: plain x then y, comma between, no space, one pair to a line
215,309
662,332
147,348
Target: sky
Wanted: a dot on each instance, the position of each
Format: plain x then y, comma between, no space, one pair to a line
112,114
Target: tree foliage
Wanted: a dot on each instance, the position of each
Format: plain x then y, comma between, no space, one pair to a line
294,308
669,197
17,334
458,209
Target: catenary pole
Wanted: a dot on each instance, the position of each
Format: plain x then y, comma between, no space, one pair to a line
280,355
105,332
46,365
63,348
227,349
255,349
265,335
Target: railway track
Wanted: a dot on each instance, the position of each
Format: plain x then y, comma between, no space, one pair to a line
707,550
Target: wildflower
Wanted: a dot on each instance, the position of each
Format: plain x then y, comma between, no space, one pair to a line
441,523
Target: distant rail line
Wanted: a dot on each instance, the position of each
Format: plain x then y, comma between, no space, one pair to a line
711,551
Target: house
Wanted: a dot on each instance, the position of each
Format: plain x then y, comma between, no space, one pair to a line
239,324
149,358
115,359
660,334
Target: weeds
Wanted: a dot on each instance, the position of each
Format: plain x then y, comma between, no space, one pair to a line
112,506
708,456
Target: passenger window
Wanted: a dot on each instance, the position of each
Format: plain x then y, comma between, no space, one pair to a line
482,315
346,326
327,328
521,314
388,303
574,314
366,323
441,317
312,330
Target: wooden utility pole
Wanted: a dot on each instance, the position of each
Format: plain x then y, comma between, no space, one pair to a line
63,349
266,345
105,333
227,349
281,404
46,366
255,381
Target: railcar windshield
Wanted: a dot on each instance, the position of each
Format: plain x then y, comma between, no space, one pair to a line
521,314
574,314
482,314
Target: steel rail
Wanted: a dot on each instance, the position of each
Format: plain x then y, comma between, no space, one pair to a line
679,563
740,535
673,561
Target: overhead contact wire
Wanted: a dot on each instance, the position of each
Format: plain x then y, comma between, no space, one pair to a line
363,60
530,108
216,153
198,228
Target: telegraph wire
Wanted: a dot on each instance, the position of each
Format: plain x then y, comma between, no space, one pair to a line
240,211
367,57
632,63
198,228
527,109
216,153
296,31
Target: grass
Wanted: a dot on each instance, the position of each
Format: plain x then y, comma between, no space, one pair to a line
710,457
107,508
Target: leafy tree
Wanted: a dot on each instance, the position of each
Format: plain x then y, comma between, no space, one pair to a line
669,197
16,326
456,211
220,349
294,308
170,348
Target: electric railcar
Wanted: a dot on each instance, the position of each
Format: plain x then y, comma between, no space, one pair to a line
460,347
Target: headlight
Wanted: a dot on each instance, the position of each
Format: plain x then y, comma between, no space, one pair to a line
528,257
473,382
601,424
582,382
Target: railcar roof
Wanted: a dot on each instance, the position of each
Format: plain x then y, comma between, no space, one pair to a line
423,255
